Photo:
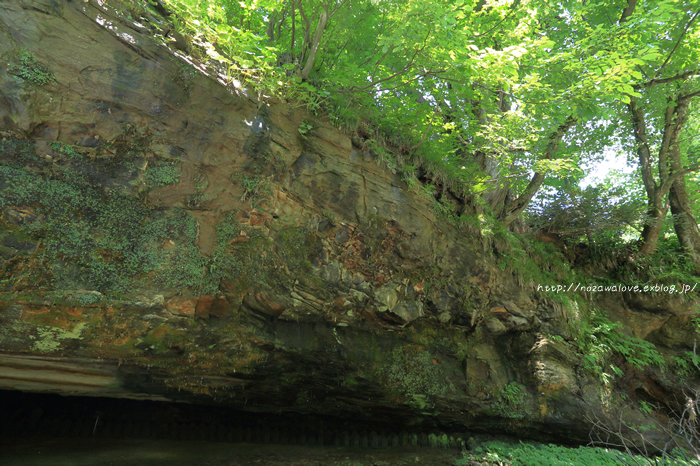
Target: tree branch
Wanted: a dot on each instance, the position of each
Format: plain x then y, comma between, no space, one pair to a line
294,15
381,30
355,88
374,71
423,138
515,208
307,29
653,82
513,7
337,8
686,97
643,149
497,180
678,42
418,76
628,11
666,186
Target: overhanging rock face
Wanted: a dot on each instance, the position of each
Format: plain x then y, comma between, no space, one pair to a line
89,377
164,236
37,374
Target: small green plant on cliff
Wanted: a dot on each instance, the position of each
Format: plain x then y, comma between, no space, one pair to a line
295,245
161,173
598,339
29,69
184,76
669,265
408,174
669,429
329,215
685,365
538,263
227,229
646,408
384,156
69,151
557,338
18,152
109,240
255,187
441,210
429,190
305,128
511,401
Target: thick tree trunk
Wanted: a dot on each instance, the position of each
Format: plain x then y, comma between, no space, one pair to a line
656,195
652,229
684,221
672,182
627,12
643,150
497,198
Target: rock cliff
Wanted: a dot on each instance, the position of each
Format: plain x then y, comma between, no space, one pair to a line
167,235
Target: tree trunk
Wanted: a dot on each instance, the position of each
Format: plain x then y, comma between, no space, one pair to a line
515,208
656,209
627,12
496,198
672,182
683,218
652,229
322,21
291,44
684,221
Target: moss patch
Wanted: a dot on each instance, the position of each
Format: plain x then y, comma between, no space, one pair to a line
416,372
105,240
49,339
93,238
